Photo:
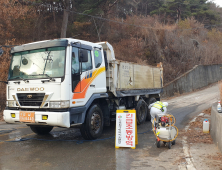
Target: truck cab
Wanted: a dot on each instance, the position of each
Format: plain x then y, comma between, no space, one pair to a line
51,82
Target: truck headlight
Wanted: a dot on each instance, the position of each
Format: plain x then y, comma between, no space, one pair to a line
11,103
60,104
64,104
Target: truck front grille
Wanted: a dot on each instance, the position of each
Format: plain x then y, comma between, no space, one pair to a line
30,99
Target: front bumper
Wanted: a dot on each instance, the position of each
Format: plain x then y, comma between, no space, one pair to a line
61,119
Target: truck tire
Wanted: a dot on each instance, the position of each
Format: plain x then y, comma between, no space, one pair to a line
148,102
141,112
41,130
93,126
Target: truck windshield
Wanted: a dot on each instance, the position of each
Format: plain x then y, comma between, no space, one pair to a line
39,63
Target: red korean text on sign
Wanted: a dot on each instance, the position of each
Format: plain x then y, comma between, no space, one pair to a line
129,129
129,132
129,123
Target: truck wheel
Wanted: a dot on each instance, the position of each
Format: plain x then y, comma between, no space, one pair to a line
149,101
93,126
41,130
141,112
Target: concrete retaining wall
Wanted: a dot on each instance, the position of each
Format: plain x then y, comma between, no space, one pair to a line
200,76
216,127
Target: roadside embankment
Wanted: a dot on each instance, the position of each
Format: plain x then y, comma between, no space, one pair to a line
198,77
216,127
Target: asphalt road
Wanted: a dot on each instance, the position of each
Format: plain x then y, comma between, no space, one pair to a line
66,149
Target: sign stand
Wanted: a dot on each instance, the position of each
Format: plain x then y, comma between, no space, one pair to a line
126,129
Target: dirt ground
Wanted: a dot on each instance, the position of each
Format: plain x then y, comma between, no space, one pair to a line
203,151
195,132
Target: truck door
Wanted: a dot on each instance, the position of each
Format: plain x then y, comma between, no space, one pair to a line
82,81
100,71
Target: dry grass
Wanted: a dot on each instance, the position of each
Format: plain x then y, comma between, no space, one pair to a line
170,44
207,111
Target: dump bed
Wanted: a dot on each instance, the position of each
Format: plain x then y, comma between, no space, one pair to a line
130,79
135,76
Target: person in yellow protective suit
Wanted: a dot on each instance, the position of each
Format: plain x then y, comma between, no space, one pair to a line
157,108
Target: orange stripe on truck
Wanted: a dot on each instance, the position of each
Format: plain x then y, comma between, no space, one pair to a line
85,83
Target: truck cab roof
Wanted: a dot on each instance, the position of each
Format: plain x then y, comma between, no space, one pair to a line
52,43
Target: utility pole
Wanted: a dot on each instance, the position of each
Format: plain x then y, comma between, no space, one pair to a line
65,18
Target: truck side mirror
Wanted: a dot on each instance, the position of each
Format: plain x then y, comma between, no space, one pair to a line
83,55
106,62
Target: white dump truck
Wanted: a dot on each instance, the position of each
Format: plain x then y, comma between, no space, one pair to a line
69,82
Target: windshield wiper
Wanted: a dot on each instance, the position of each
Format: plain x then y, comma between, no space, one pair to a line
4,82
50,78
26,81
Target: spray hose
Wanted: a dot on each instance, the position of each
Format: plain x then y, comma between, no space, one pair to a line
172,120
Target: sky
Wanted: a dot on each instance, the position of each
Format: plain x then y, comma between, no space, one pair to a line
218,2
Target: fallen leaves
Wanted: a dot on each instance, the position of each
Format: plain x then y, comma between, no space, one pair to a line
195,132
216,157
